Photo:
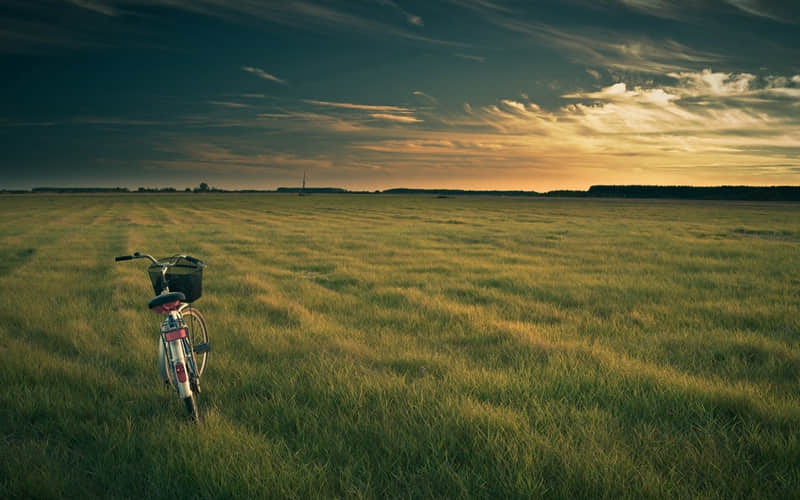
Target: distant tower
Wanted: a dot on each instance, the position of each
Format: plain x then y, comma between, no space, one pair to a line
303,187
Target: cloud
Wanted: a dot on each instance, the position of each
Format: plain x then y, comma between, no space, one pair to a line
410,18
782,12
660,8
707,82
689,129
514,105
94,6
229,104
696,123
394,114
787,92
395,118
702,103
619,91
213,158
309,15
425,96
304,122
608,48
33,36
481,6
470,57
701,86
360,107
263,74
689,10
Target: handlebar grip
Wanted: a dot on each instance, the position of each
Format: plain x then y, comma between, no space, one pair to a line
123,257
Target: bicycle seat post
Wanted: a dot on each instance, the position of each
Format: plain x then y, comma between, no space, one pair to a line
172,322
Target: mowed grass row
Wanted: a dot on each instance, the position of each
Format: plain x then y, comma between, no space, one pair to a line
374,346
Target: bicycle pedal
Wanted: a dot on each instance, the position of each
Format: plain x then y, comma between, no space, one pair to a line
201,348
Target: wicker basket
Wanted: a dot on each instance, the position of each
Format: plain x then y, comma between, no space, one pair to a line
184,276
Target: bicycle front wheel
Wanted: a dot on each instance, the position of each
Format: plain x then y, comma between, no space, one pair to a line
198,335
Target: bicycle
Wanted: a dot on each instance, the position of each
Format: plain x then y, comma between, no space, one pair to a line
183,348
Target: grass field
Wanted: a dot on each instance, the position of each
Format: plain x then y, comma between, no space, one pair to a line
390,346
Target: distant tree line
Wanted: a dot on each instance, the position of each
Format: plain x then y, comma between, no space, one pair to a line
456,192
321,190
79,190
749,193
746,193
202,188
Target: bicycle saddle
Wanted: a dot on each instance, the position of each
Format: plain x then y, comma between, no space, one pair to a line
166,298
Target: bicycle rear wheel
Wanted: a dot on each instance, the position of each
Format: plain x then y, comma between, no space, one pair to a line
191,408
198,335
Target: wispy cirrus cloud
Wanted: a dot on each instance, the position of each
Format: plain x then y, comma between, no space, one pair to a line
427,97
481,6
613,49
263,74
92,121
360,107
627,50
620,92
215,158
390,113
470,57
323,15
410,18
691,11
307,121
395,118
35,36
99,7
50,30
229,104
775,10
707,82
663,7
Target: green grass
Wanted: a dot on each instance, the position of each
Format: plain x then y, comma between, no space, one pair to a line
393,346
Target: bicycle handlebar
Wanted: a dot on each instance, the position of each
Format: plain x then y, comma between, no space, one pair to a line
137,255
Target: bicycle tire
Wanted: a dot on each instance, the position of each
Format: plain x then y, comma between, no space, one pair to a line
191,408
197,331
163,362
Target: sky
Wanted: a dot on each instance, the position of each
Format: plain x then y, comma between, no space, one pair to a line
377,94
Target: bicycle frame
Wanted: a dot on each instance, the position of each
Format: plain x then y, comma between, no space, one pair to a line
177,346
